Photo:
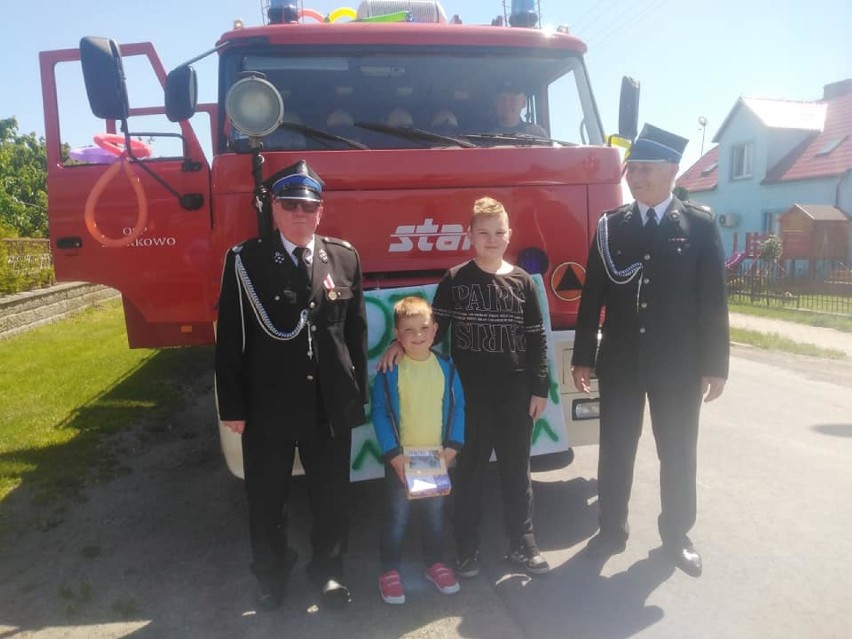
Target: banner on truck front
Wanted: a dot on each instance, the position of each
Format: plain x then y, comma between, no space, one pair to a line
549,435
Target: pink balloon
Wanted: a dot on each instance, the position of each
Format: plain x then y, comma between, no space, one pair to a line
310,13
93,155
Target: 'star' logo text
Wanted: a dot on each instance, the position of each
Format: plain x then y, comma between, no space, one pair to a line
429,237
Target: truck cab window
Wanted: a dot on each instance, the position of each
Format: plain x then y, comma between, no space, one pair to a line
462,85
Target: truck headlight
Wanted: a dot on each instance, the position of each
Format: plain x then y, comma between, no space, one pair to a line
254,106
585,409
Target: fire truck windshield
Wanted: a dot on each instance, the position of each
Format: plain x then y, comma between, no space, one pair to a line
392,98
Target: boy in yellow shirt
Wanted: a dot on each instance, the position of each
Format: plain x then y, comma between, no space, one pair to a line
417,404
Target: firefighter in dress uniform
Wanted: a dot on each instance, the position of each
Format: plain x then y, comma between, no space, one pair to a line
657,266
291,372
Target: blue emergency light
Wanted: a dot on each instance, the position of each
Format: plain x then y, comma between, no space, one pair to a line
282,12
523,14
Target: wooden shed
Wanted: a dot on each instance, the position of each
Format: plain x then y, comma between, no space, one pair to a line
815,232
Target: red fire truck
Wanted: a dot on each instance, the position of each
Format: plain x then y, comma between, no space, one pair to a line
397,117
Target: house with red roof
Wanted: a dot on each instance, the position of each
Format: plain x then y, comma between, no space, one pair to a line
773,156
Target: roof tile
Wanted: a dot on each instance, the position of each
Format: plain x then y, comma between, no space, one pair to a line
703,175
809,160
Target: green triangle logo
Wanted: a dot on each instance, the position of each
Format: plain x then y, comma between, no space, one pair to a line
369,449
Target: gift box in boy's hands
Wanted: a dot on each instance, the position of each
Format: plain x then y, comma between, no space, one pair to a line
426,473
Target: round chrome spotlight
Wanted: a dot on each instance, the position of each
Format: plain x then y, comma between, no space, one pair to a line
255,107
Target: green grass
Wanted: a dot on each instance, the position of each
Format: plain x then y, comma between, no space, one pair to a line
775,342
66,386
811,318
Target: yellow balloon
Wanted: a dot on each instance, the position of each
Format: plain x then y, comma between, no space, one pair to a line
342,12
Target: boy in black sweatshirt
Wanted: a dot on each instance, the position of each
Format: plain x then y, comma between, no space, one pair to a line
500,349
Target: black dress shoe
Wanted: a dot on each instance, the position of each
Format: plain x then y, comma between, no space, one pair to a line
687,559
602,546
271,582
335,594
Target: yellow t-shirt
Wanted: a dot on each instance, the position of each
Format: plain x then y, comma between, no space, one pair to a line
421,394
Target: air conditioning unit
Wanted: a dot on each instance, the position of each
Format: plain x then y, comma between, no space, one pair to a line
728,220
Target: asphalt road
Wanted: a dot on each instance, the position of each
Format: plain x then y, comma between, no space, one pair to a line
162,551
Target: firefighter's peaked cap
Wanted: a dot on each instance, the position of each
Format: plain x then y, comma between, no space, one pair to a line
296,182
656,145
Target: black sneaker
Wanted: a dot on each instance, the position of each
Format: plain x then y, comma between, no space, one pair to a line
468,566
530,559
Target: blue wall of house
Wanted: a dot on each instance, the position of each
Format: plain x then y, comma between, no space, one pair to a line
750,200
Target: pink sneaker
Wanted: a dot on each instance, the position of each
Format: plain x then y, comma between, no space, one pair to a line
443,578
390,585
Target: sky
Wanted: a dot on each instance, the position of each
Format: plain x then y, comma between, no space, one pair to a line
693,58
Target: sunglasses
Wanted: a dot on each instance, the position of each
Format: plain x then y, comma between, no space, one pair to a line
306,205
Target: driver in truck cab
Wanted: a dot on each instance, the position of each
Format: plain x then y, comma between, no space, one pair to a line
509,102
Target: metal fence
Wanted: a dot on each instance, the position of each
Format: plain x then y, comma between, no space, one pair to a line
24,264
26,256
829,295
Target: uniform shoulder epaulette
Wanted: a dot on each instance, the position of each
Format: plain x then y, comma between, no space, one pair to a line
618,209
339,242
245,245
702,209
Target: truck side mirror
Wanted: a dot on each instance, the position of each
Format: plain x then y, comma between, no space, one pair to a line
103,73
181,93
628,109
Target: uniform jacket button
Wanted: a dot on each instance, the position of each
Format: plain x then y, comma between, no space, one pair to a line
642,330
312,305
647,256
646,280
313,328
311,377
644,304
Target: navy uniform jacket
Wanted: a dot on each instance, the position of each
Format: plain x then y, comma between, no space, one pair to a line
271,383
676,325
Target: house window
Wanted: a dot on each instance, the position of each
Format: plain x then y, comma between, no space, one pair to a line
770,221
709,169
830,145
741,158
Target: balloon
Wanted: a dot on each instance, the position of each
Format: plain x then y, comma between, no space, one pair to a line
114,143
93,155
310,13
342,12
95,195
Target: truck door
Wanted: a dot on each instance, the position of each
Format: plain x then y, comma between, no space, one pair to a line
160,262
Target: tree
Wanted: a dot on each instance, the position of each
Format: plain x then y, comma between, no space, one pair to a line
771,250
23,175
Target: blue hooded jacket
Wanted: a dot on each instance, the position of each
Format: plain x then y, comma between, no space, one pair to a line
386,417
